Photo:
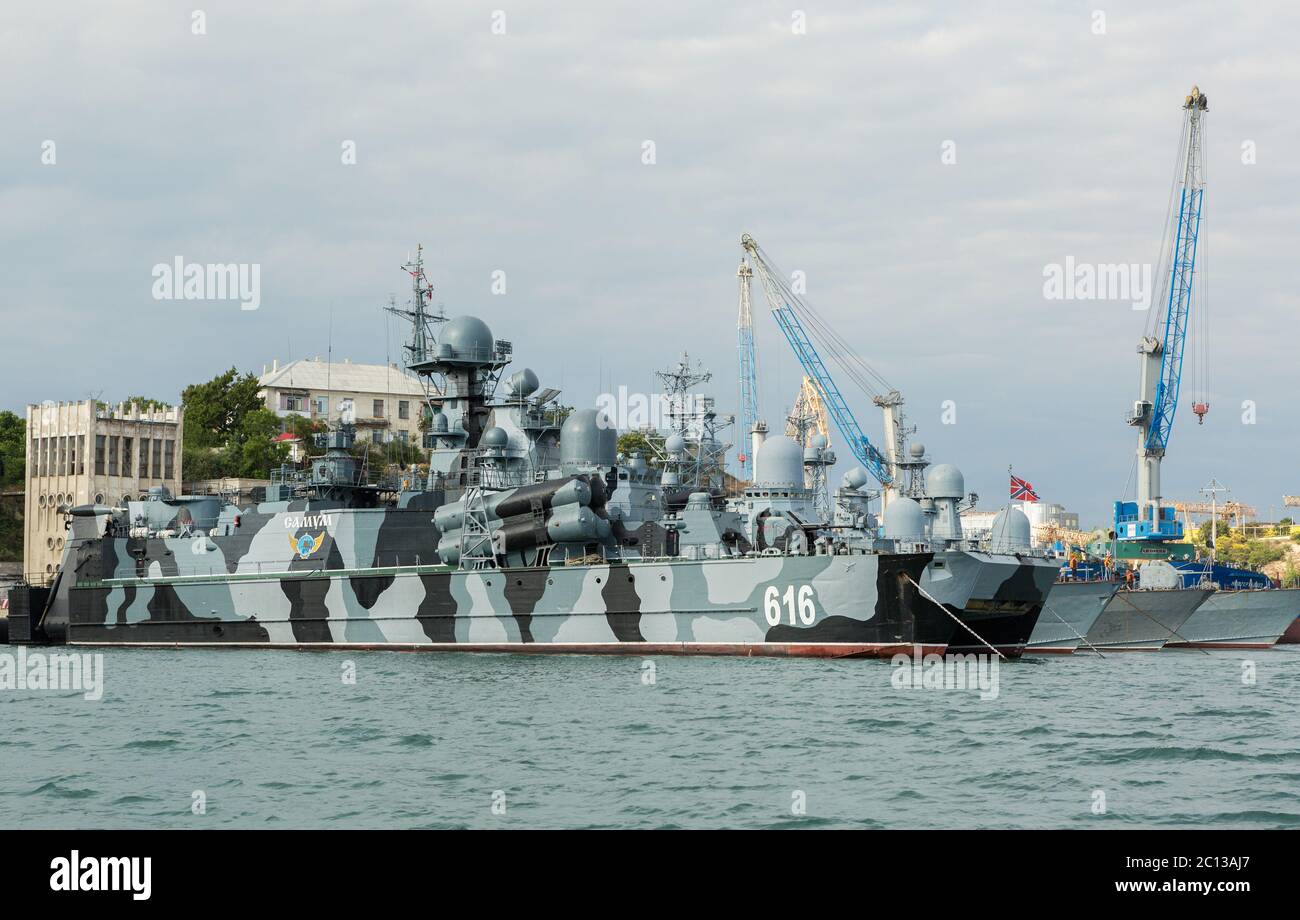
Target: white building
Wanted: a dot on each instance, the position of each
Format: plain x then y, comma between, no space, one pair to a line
977,525
1042,513
387,400
79,454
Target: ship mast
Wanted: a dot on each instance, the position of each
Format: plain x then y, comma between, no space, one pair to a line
418,314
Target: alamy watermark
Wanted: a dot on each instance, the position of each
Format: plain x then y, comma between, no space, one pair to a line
181,280
103,873
1101,281
53,671
629,411
946,672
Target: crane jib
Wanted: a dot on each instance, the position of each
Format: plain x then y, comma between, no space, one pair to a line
811,361
1175,326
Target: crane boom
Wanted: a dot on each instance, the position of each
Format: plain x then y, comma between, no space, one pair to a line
1181,275
1162,354
786,308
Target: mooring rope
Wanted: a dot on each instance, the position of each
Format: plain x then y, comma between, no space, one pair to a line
1172,632
1083,639
940,605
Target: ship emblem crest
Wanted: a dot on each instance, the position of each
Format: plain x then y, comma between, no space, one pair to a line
306,545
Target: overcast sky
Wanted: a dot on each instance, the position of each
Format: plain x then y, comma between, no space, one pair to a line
523,152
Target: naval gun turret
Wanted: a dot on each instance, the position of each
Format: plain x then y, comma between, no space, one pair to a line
780,508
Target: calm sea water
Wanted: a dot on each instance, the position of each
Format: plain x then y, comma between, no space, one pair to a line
277,739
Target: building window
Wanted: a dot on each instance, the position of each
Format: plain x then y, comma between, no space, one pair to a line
379,408
403,408
81,454
99,455
157,458
62,467
322,405
402,435
127,444
144,458
169,458
292,402
112,454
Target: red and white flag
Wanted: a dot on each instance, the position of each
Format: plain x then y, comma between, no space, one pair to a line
1022,491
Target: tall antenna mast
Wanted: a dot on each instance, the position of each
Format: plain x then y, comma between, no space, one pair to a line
420,349
1212,489
748,361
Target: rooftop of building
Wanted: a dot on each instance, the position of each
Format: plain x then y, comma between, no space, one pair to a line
128,411
342,376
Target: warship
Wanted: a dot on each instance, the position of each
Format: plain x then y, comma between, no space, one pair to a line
531,532
1150,615
1245,611
1069,614
995,588
528,533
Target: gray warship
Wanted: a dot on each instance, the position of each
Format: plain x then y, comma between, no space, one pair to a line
1239,619
1148,617
1071,610
529,533
995,588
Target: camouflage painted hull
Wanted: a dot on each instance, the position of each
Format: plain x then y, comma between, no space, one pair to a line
155,593
999,596
1143,621
1070,612
1239,619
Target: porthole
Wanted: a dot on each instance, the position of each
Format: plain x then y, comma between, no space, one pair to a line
597,579
631,578
663,577
49,569
550,581
49,543
40,502
99,498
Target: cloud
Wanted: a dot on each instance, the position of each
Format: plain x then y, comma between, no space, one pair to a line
522,152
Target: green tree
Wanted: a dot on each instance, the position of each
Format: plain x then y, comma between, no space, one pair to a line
13,449
215,410
631,442
1262,552
228,430
403,453
145,403
255,452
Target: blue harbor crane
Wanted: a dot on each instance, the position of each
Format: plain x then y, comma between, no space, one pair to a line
1146,520
803,328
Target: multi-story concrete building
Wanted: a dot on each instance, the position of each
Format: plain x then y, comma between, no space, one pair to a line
387,401
79,453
